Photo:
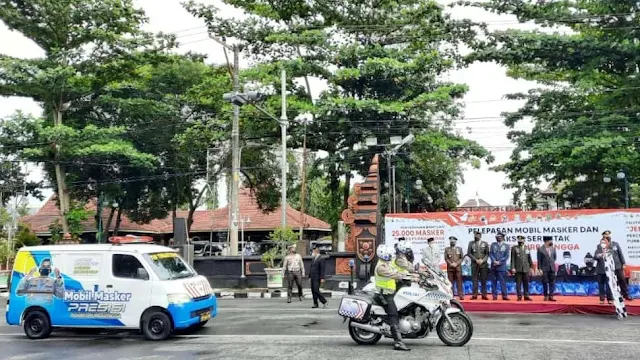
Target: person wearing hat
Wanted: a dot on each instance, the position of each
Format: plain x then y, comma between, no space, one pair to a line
499,255
453,257
521,264
478,252
589,269
547,263
608,246
294,272
431,254
567,268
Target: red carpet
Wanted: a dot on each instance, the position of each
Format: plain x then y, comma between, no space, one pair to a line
563,305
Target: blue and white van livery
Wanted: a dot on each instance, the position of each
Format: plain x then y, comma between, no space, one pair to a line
107,286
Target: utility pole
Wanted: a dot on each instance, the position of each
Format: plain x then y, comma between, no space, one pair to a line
303,185
283,127
235,153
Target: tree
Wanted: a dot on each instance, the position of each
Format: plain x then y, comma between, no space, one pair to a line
388,62
584,111
25,237
87,44
13,180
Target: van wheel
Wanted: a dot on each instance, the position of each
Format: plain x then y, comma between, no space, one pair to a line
156,325
37,325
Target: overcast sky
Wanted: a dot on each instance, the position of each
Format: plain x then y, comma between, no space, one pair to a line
484,102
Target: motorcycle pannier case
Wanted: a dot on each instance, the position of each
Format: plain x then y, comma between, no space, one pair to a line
355,307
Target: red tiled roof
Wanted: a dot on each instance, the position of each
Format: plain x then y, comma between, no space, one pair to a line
203,220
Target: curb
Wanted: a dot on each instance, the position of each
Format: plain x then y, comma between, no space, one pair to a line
270,295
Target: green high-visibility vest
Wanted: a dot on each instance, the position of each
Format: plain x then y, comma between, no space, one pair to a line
383,282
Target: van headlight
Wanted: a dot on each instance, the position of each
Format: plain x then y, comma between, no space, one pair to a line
179,299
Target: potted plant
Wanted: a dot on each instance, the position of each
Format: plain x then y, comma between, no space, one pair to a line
272,258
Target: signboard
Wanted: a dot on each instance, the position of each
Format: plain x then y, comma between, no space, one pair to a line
575,233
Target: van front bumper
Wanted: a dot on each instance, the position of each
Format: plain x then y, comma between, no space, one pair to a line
193,312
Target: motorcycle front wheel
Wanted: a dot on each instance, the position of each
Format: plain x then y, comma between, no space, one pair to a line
362,337
457,304
459,334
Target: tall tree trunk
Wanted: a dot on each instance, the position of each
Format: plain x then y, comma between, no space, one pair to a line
193,206
346,190
118,219
63,199
108,225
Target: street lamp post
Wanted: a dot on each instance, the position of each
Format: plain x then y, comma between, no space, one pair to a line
390,151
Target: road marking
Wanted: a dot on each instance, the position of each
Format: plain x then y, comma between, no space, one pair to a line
285,337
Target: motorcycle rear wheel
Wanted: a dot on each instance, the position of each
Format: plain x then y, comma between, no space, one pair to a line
460,335
362,337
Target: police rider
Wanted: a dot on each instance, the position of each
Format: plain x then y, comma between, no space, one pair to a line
402,262
386,275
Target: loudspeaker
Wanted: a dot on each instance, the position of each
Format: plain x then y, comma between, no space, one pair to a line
180,235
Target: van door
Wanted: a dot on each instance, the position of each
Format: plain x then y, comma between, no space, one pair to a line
82,274
128,288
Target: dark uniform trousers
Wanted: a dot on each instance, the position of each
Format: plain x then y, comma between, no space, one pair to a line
482,274
455,277
548,283
522,283
603,285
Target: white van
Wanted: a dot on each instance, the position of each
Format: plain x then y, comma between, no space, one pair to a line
107,286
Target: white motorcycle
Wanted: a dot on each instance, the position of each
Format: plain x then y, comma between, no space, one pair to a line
420,312
438,281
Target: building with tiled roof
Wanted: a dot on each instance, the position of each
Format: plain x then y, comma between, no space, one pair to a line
205,222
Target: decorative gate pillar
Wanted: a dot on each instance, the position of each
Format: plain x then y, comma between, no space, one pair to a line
362,216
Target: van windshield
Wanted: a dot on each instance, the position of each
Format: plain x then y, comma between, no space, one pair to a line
169,266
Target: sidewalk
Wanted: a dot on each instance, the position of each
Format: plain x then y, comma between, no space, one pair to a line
262,293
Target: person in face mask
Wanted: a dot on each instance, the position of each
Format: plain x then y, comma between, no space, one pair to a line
478,252
521,265
601,274
431,254
613,248
567,268
590,268
547,263
453,257
499,255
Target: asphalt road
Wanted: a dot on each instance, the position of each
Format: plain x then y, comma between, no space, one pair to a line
271,328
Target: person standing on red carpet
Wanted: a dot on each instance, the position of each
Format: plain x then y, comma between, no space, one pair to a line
499,255
547,263
521,264
607,245
478,252
454,257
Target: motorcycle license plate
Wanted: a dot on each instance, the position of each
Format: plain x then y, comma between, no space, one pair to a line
205,316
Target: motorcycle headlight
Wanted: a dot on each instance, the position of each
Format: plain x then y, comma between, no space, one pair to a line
178,299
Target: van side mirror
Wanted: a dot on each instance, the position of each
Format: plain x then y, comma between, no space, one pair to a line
142,274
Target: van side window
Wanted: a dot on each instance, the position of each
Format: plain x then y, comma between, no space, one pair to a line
126,266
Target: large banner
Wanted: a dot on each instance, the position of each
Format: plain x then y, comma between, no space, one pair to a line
576,233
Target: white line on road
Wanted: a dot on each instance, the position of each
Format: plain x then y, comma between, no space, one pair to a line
244,338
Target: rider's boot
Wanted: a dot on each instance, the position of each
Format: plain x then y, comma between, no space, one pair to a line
398,344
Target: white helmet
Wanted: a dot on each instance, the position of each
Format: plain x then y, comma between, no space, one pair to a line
384,252
403,247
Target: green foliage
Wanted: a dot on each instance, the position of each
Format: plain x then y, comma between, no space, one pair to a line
75,218
13,178
5,253
387,79
55,229
585,113
25,237
284,237
88,44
